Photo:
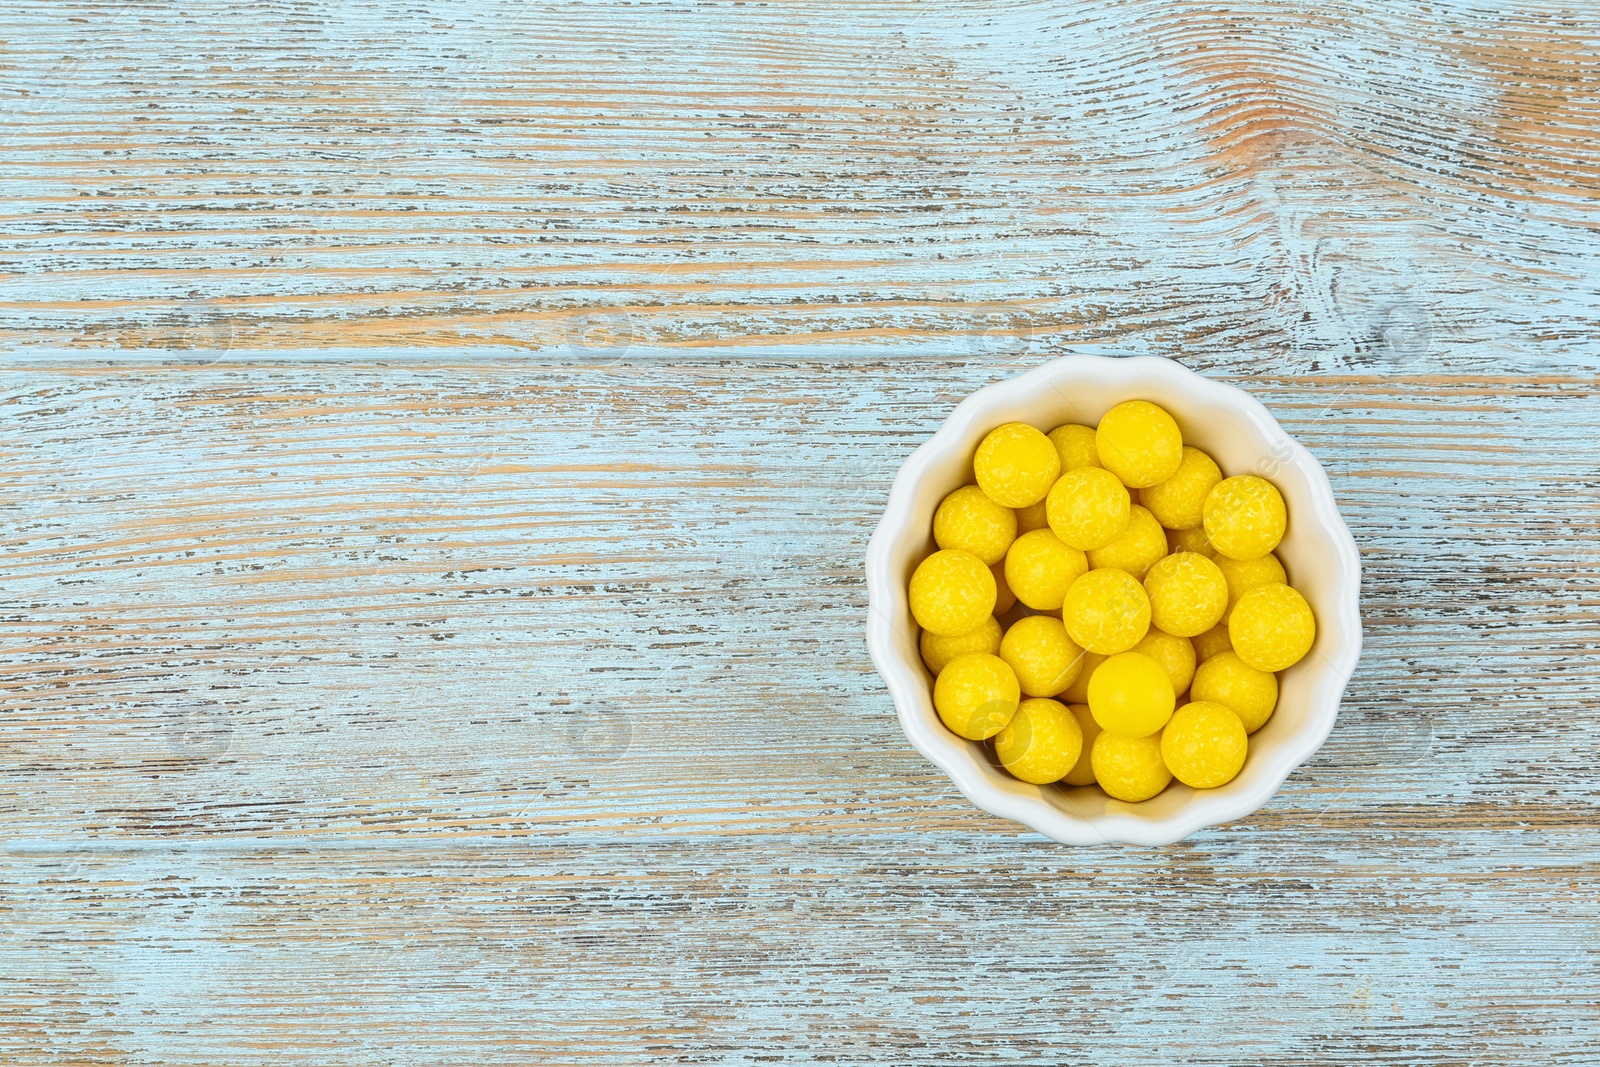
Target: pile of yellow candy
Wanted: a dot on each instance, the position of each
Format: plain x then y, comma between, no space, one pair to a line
1131,572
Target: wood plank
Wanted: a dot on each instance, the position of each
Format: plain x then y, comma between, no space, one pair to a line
342,698
1232,179
501,696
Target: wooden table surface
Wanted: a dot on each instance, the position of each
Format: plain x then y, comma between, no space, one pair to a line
440,443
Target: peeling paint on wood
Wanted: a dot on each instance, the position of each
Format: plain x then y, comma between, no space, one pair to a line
503,700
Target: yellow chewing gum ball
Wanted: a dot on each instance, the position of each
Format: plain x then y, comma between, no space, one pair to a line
1032,517
967,519
1190,541
1228,680
975,695
1140,443
1245,517
1272,628
1179,502
1135,548
1088,508
1245,575
1175,654
1078,691
1082,772
1131,695
952,592
1044,659
1212,642
937,651
1075,446
1204,745
1129,768
1040,569
1041,743
1016,465
1188,594
1106,611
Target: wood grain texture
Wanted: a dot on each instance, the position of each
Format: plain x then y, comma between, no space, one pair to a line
502,698
1246,174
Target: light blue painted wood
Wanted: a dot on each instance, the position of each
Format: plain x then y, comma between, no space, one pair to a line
439,447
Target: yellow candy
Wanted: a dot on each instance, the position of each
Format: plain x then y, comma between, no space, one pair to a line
1178,503
1075,445
1129,768
967,519
1032,517
1245,575
1190,541
975,695
1175,654
1204,745
1136,548
1212,642
952,592
1016,465
1088,507
1041,654
1131,695
1078,691
1187,594
1041,743
937,652
1228,680
1139,443
1272,627
1106,611
1039,569
1082,772
1004,598
1245,517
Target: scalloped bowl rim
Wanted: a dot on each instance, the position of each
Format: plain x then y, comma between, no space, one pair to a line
902,534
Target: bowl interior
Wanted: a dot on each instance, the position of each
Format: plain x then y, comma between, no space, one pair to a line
1316,551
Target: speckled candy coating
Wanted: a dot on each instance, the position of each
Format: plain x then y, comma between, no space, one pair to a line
1139,545
1032,517
1175,654
1211,642
1044,659
938,651
1140,443
967,519
1088,508
1272,628
1190,541
1016,465
1188,594
1204,745
1075,446
1179,502
1228,680
1041,743
1040,569
1106,611
1245,575
975,695
1129,768
1245,517
952,592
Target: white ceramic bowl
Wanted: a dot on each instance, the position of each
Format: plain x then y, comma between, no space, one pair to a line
1243,438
